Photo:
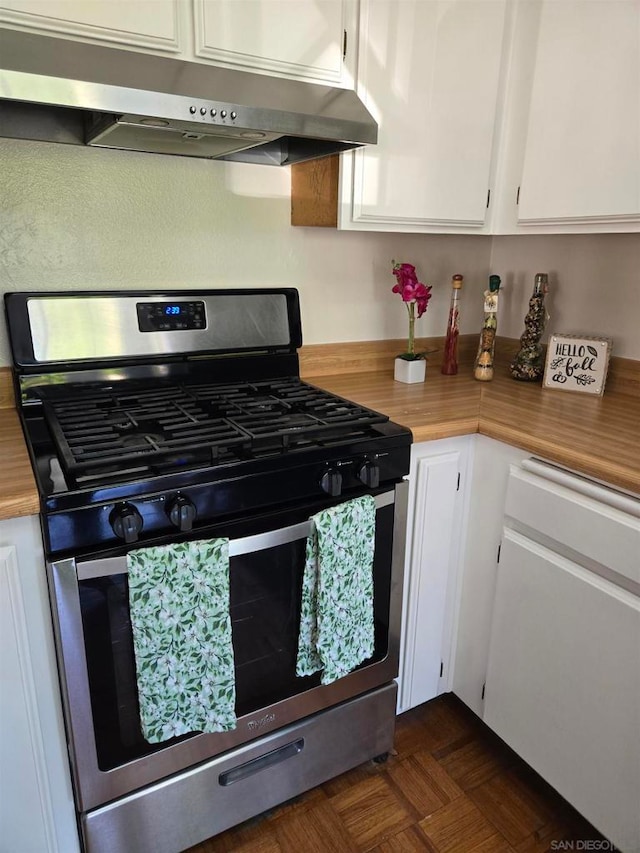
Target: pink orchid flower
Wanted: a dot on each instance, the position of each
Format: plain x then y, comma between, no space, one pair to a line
413,293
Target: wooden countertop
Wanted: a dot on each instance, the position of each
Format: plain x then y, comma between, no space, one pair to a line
598,436
18,495
595,436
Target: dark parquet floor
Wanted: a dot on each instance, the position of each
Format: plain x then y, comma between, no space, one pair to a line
450,786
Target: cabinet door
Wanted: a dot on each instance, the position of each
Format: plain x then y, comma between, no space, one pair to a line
437,511
491,461
304,39
429,74
26,822
37,814
153,24
582,155
563,685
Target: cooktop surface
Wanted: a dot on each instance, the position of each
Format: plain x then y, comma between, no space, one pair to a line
116,432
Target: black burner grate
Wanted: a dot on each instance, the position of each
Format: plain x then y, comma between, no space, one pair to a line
121,430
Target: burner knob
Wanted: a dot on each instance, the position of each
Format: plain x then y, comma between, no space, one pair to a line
126,522
369,474
331,482
181,512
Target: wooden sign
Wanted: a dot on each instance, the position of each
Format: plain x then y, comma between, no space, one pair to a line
577,363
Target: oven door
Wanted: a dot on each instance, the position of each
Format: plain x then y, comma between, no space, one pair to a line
96,660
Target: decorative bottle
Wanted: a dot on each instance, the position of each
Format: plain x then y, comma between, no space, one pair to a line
528,365
483,369
450,358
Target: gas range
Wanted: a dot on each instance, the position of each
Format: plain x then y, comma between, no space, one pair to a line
178,419
143,416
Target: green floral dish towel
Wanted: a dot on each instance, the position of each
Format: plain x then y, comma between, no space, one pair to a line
336,621
179,605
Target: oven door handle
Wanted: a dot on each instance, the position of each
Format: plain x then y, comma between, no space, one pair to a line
89,569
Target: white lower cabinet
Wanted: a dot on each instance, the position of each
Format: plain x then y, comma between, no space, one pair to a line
36,804
437,512
563,676
488,487
563,683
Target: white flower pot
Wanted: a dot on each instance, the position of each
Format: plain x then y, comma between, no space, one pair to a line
410,371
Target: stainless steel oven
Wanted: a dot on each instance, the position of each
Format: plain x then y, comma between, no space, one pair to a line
133,447
112,762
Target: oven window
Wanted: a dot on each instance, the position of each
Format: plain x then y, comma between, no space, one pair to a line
265,593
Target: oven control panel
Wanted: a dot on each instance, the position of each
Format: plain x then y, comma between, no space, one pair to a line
170,316
127,522
341,473
205,505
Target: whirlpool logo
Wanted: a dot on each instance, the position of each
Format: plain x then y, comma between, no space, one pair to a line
261,722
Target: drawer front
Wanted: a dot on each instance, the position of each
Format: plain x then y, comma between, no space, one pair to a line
581,518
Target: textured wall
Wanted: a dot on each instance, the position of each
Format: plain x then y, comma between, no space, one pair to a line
75,218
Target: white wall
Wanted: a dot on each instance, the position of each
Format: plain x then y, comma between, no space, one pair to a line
76,218
594,285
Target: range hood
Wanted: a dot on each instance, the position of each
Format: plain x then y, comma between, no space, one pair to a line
65,91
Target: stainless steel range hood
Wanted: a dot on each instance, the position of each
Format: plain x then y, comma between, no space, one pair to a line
64,91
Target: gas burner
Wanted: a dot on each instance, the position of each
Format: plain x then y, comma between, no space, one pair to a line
162,427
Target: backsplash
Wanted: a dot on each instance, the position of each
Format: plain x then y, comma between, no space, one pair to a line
594,285
83,219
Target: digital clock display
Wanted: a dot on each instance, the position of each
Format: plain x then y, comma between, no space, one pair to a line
171,316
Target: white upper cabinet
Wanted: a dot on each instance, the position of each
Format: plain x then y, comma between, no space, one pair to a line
536,101
153,24
581,158
429,73
305,39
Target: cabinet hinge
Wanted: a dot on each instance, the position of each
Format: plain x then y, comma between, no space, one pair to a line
488,197
498,557
344,44
441,668
458,484
518,196
483,689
